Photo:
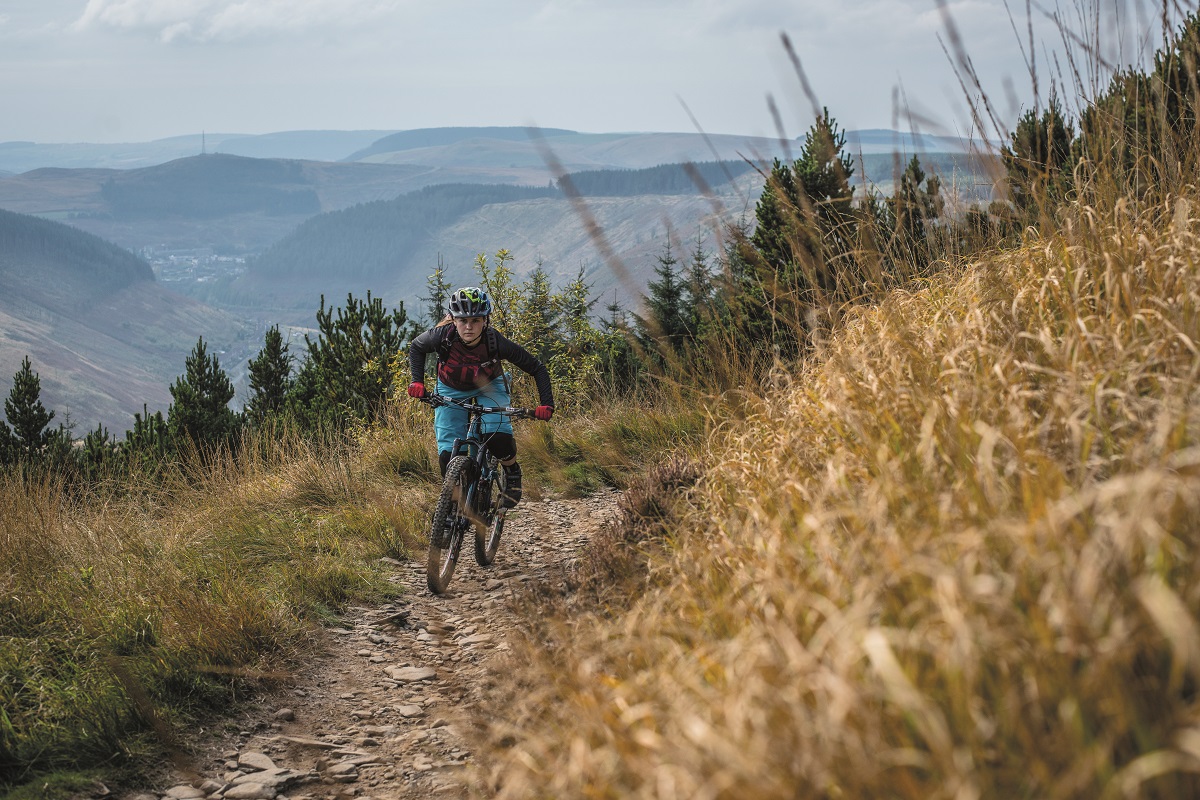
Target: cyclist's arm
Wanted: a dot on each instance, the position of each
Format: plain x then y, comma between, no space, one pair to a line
418,348
526,361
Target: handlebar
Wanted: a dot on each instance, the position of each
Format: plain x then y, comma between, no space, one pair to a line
436,400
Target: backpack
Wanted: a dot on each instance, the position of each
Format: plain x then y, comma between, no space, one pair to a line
444,344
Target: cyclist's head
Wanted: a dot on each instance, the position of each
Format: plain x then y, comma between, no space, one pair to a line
469,301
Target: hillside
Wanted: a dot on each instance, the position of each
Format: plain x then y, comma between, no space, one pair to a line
102,334
392,247
438,137
230,203
17,157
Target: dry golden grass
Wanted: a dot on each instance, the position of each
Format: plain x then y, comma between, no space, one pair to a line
954,554
137,604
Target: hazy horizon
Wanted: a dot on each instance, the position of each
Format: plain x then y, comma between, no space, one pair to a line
117,71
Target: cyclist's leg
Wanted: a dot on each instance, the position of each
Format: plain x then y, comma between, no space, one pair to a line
449,423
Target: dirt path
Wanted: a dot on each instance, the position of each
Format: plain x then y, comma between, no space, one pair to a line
380,711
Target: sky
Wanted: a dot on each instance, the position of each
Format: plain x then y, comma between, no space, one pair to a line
138,70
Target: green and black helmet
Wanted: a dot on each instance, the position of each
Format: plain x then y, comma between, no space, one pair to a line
469,301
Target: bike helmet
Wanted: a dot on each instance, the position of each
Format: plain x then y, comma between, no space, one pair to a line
469,301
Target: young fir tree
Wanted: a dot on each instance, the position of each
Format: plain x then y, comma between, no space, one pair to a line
348,369
98,453
913,211
438,294
200,411
665,327
1037,161
578,344
619,368
700,291
148,444
536,317
270,378
801,255
29,419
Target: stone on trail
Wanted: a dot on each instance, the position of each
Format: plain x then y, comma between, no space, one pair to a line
285,715
410,711
184,792
478,638
255,761
411,674
275,778
250,791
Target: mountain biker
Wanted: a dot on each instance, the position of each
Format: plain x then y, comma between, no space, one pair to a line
469,364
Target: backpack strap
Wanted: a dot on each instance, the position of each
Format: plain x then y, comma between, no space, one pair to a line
444,344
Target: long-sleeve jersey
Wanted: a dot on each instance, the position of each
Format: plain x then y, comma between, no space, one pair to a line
465,368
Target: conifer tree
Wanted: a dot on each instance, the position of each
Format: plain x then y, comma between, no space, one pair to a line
270,378
27,416
619,366
536,316
1037,160
666,324
438,294
912,211
348,369
7,445
802,245
98,453
200,411
701,294
577,343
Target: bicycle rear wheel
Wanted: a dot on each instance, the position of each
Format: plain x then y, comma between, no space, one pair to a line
448,525
487,537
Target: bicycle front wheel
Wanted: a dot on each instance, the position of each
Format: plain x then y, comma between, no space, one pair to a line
487,536
448,525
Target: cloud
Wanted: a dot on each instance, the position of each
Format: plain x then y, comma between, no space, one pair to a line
208,20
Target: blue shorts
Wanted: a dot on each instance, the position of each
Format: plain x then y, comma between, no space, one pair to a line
450,422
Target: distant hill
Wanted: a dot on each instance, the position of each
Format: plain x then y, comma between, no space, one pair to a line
437,137
876,140
88,260
231,203
663,179
358,248
300,145
18,157
212,186
514,158
102,334
392,247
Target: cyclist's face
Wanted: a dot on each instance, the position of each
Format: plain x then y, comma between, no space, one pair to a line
470,328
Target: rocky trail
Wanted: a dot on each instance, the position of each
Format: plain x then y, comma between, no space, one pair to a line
381,709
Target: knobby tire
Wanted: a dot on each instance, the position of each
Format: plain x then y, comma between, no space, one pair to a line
448,526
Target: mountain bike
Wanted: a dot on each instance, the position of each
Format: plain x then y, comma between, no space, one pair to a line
471,496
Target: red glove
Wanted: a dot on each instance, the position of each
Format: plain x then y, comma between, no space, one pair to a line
544,413
416,389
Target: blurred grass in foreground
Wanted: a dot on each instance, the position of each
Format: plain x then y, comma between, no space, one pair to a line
953,554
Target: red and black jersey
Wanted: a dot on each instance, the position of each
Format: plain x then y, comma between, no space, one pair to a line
465,368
